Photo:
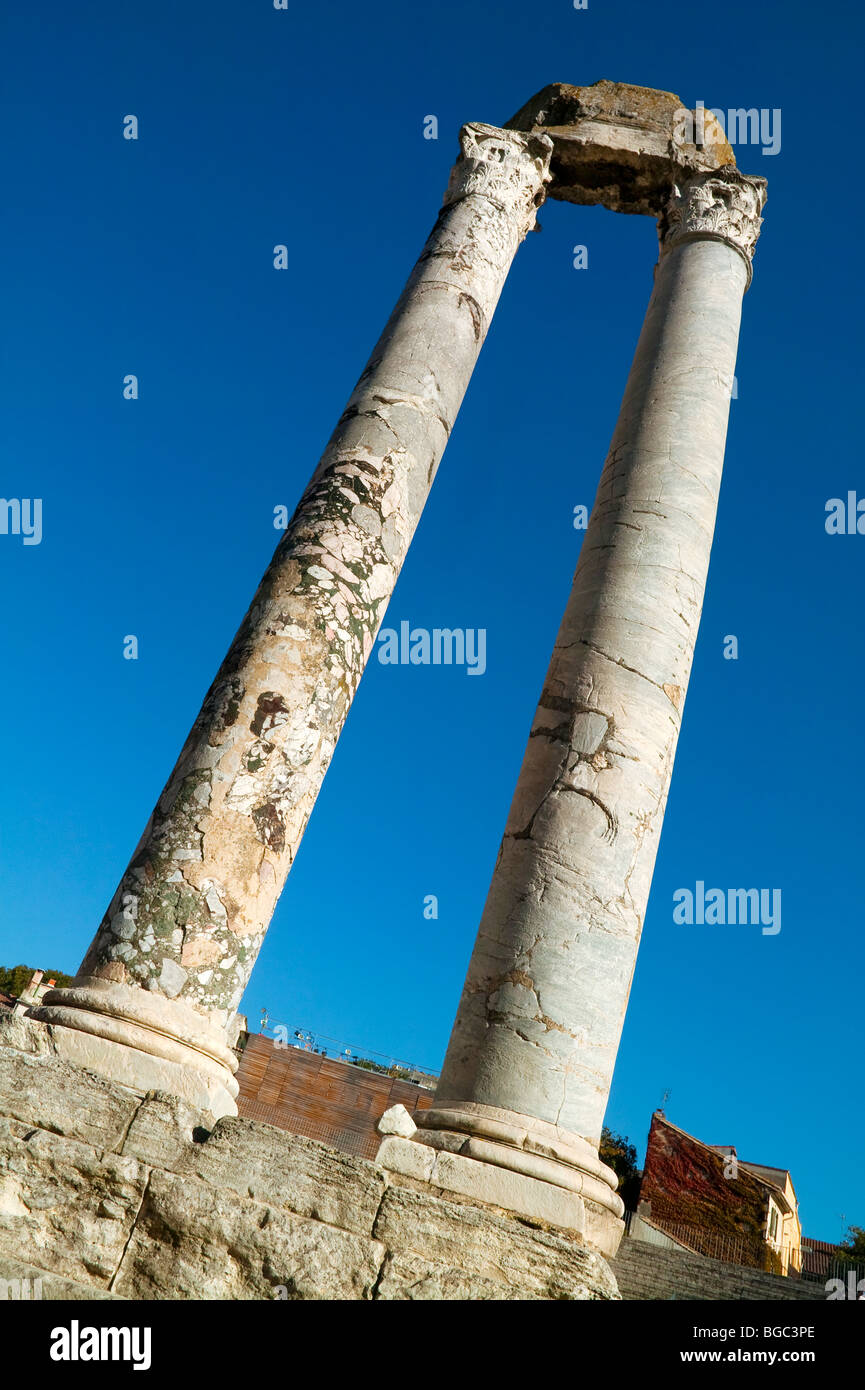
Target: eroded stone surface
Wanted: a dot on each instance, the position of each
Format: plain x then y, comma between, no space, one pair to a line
163,1132
195,1241
25,1282
467,1242
619,145
65,1099
291,1173
245,1211
64,1205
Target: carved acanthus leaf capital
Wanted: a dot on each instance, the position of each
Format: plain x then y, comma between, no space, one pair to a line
509,168
721,205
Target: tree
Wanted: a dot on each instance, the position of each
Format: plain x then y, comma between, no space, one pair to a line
620,1155
854,1242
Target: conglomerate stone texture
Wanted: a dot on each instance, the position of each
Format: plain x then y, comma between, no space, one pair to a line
190,913
103,1194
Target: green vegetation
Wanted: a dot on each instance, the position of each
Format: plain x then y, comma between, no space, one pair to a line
620,1154
15,979
854,1242
399,1073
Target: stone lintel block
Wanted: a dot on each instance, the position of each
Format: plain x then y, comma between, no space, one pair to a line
407,1157
619,145
508,1191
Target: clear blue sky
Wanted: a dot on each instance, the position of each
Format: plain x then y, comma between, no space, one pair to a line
154,257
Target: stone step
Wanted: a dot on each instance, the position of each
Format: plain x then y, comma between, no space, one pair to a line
646,1272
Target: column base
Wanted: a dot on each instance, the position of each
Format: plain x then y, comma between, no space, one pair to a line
517,1163
143,1041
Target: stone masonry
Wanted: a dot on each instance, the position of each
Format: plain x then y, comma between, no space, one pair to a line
105,1194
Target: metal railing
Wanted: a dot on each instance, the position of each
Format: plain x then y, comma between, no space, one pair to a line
837,1266
723,1245
338,1050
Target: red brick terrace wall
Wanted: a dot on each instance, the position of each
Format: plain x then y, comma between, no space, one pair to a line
334,1102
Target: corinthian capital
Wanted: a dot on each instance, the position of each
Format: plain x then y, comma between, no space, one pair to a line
505,166
721,205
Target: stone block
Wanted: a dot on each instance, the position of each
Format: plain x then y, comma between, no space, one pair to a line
456,1241
406,1157
291,1173
412,1278
50,1094
509,1191
193,1241
245,1212
23,1034
161,1133
397,1121
69,1207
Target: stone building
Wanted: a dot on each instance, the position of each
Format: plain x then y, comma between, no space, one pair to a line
708,1197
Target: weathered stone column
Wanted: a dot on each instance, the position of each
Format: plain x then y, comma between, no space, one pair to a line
528,1069
160,984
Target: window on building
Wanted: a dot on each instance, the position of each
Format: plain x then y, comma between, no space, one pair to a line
773,1222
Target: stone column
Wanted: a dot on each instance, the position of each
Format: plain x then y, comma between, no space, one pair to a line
528,1069
154,998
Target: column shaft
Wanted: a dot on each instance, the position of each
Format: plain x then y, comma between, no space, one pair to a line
177,944
533,1047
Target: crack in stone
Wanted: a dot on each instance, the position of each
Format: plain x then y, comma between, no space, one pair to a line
612,829
132,1228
